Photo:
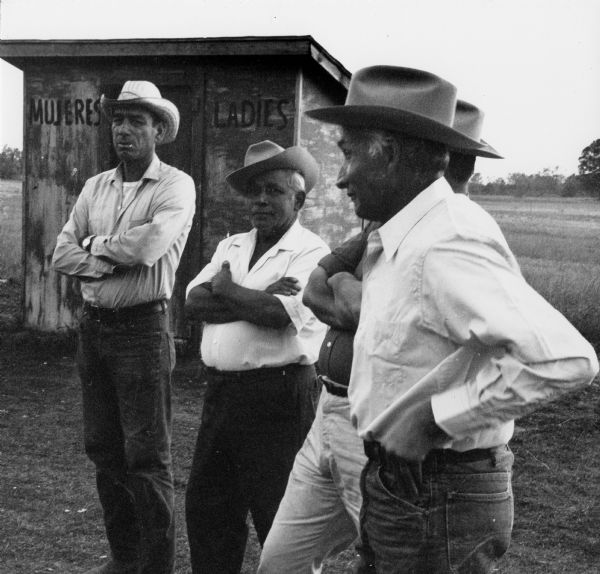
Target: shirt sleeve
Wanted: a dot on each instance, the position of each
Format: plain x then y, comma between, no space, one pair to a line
473,293
209,270
145,244
345,257
301,267
69,257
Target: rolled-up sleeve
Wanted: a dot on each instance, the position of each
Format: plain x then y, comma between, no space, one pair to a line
473,293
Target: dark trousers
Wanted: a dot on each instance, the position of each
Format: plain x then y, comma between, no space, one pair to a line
451,514
253,424
125,368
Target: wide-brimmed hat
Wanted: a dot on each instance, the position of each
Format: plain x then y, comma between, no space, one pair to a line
147,95
469,121
267,156
405,100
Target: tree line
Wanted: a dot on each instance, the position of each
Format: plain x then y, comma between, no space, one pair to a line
546,182
11,163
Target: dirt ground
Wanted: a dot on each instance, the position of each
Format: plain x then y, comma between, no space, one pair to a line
50,519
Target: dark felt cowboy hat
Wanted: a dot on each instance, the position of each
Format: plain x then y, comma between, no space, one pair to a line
468,120
267,156
147,95
405,100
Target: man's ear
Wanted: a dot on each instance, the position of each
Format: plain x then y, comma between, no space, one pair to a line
392,153
299,200
161,130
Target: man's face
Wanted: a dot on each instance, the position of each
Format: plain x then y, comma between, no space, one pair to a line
364,176
135,133
274,205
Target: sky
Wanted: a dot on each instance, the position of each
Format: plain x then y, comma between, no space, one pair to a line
533,66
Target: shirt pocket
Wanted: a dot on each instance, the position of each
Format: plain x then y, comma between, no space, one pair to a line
387,350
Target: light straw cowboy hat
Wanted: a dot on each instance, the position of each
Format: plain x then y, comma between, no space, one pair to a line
267,156
147,95
468,120
412,102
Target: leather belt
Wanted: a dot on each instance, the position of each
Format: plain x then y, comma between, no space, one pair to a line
333,387
113,315
435,458
253,373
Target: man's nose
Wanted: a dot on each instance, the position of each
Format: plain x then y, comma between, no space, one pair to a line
123,127
342,181
261,197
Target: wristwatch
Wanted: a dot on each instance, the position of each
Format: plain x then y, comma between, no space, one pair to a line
87,243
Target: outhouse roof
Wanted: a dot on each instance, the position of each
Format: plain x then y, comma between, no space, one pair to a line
21,52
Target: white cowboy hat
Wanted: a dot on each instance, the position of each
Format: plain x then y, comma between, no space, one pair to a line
412,102
146,94
267,156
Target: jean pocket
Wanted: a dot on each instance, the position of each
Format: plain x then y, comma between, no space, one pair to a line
479,517
401,489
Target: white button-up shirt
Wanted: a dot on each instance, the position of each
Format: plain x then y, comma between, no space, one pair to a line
446,316
241,345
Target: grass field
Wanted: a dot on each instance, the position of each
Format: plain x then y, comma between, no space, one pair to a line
10,229
557,243
50,518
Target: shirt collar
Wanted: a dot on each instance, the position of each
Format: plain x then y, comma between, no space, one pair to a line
152,172
394,231
287,242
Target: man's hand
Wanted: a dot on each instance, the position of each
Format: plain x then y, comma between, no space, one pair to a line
285,286
415,434
222,281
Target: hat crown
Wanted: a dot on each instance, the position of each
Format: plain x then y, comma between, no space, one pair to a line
468,120
266,156
261,151
136,89
405,89
147,95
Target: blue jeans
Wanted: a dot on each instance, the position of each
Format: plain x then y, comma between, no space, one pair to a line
125,369
253,424
440,516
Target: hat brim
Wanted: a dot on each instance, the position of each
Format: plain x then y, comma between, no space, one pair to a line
164,109
296,158
487,151
393,119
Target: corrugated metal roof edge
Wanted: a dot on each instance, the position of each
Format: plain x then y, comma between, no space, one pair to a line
17,52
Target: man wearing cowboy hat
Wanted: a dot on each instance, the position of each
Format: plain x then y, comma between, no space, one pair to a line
319,513
259,345
123,240
451,345
468,120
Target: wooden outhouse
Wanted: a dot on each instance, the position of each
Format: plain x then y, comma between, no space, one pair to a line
230,92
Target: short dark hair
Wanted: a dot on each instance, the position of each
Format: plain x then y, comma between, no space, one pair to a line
460,167
428,157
